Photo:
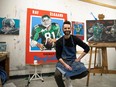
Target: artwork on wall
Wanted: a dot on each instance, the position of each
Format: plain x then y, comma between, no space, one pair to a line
43,29
2,46
9,26
78,29
101,30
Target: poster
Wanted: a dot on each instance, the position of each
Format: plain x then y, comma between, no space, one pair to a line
9,26
43,28
101,30
78,29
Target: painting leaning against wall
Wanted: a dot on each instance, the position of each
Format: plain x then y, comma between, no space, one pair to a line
9,26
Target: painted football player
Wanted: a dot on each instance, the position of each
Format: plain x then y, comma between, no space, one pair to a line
48,32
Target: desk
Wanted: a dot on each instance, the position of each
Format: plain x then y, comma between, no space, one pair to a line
104,66
4,62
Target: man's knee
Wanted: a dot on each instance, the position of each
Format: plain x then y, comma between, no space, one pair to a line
57,74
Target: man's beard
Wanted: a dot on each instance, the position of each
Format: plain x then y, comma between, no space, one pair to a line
67,32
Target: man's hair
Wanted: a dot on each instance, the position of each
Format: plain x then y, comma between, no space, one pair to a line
45,16
67,22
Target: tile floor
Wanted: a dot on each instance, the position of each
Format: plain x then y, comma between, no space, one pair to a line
106,80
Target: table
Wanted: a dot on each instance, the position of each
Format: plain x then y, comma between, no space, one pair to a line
4,61
104,67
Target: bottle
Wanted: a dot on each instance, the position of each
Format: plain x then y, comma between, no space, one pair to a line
35,62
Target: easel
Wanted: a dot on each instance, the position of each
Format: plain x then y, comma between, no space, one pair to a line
104,67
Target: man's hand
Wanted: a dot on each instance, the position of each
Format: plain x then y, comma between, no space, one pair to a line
65,64
78,59
51,40
68,67
41,46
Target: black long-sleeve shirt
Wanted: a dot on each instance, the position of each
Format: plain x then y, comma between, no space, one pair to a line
68,42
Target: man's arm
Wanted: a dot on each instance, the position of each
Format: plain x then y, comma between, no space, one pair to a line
85,47
65,64
80,57
59,53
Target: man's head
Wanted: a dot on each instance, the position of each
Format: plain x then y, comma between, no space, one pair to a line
67,27
46,20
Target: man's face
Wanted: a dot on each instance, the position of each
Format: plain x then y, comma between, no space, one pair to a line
46,21
67,29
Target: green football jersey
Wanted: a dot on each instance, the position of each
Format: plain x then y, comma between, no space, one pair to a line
39,31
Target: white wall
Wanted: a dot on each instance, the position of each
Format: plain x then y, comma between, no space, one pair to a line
76,11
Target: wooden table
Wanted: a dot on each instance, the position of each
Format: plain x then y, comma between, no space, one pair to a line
104,67
4,62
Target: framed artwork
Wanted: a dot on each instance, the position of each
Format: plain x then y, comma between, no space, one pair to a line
78,29
9,26
101,30
2,46
43,29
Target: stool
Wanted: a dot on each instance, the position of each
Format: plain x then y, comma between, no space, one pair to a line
35,76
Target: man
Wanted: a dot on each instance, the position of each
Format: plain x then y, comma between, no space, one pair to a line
48,33
66,55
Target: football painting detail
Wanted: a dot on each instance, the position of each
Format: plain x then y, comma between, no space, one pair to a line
78,29
9,26
101,30
43,29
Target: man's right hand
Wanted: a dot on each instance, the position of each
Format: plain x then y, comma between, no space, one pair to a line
41,46
68,67
65,64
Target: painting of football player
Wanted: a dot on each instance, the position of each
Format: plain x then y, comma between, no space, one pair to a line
8,27
79,29
109,33
96,30
113,30
48,32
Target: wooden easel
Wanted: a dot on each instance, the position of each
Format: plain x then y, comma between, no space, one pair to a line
104,67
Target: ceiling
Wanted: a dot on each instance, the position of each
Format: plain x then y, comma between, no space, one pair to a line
105,3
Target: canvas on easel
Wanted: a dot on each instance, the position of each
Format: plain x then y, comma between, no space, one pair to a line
101,30
100,35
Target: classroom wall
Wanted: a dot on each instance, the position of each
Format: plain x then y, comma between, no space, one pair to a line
76,11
